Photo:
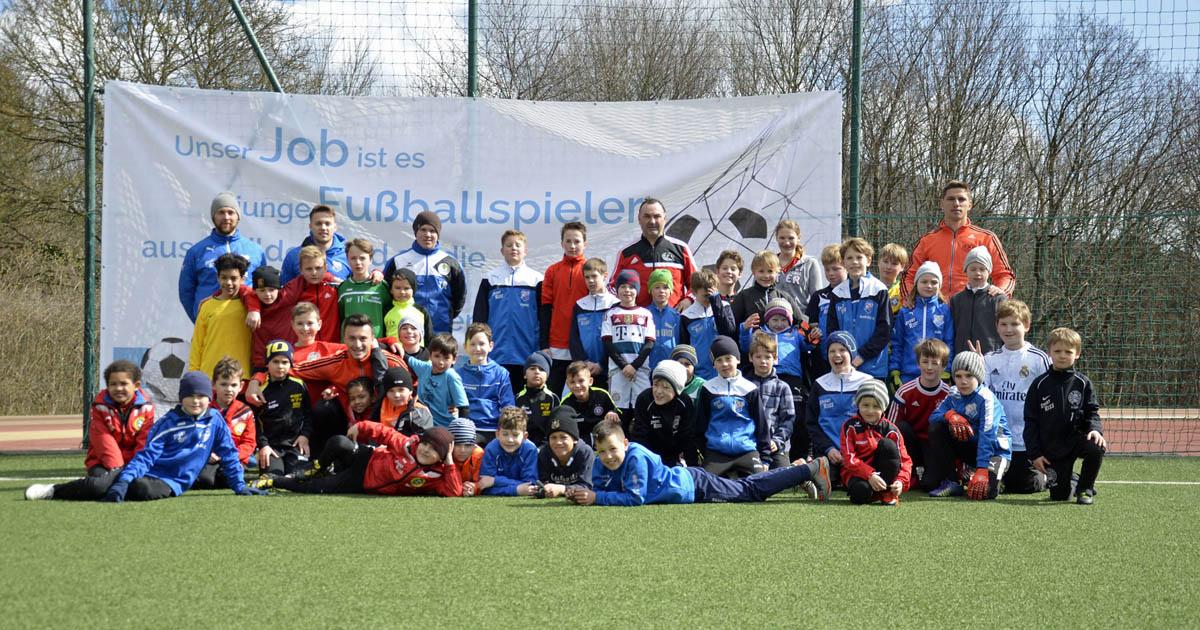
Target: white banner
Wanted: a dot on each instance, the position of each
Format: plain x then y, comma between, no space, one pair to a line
483,165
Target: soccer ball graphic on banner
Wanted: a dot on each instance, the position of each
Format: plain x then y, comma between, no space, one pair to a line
162,366
707,231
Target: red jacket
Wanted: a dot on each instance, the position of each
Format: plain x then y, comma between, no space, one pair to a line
116,433
276,324
913,404
859,441
644,257
949,250
324,296
240,419
393,469
561,287
337,370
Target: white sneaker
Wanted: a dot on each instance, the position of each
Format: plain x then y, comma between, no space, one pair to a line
810,489
39,491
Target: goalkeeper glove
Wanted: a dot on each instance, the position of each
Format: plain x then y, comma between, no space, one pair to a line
960,427
248,491
895,374
977,489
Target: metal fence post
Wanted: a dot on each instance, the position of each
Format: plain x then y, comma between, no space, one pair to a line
89,210
258,51
852,208
472,47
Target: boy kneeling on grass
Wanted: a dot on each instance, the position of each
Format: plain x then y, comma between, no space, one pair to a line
402,464
177,449
875,463
632,475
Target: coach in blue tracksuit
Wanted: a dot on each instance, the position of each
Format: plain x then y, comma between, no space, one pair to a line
441,287
178,447
198,275
322,234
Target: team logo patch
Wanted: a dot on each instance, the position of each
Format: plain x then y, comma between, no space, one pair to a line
138,422
719,404
627,319
1024,371
239,428
416,482
970,409
525,295
554,425
598,411
939,319
1075,398
868,307
497,294
738,405
180,437
668,257
635,260
443,268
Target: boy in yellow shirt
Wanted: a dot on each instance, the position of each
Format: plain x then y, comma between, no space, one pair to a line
221,320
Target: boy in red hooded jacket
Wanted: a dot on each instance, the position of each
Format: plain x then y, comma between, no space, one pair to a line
401,464
875,463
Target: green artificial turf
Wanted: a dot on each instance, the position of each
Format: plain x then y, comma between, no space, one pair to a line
213,560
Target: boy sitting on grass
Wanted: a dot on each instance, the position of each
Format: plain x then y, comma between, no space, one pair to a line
509,462
467,454
565,461
915,401
537,401
1062,421
968,425
120,421
283,428
875,464
178,447
591,403
403,465
239,418
733,436
438,384
487,383
631,475
663,417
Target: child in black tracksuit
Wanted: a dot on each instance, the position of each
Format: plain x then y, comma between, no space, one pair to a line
1062,421
663,418
283,423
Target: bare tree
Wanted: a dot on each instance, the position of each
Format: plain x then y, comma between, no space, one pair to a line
786,46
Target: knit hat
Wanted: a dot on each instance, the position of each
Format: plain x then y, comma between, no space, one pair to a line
463,431
778,306
980,255
844,338
629,277
872,389
440,439
224,200
427,217
409,276
278,348
969,361
686,352
722,346
672,372
396,377
195,384
929,268
564,418
266,277
661,276
538,359
411,320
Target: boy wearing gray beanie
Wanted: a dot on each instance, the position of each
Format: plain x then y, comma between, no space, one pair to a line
973,310
968,425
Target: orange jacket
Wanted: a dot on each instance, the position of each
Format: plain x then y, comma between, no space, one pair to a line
115,433
949,250
394,469
469,470
561,287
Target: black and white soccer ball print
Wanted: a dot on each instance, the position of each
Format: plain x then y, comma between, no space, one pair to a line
163,365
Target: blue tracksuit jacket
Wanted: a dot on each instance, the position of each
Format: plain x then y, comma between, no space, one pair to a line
987,419
830,404
198,276
864,313
488,389
441,286
335,259
178,447
728,420
509,469
587,319
642,478
699,326
928,318
666,328
508,300
792,347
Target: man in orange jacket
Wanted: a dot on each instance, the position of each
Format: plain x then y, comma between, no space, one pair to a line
949,242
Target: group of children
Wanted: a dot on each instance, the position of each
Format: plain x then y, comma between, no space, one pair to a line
737,396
